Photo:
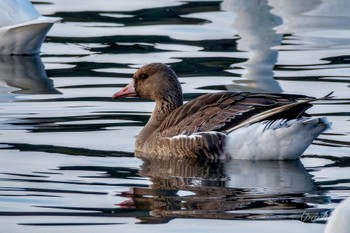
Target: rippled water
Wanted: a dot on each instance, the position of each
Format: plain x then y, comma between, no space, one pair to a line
66,149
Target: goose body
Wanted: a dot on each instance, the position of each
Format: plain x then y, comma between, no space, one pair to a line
22,28
240,125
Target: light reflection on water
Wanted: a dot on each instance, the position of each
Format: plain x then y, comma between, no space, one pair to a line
67,154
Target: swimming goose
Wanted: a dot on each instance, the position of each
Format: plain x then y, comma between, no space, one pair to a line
22,28
240,125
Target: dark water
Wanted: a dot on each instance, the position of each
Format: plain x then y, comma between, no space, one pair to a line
66,148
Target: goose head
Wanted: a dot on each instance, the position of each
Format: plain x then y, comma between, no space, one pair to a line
154,81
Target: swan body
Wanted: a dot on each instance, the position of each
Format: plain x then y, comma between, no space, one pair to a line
339,221
22,28
240,125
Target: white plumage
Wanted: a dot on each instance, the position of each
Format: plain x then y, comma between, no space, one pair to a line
339,222
22,28
274,140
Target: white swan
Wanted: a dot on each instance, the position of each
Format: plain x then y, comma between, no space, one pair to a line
22,28
339,222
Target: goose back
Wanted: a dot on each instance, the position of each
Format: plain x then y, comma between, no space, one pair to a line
224,110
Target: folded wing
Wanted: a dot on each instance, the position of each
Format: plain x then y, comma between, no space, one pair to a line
225,111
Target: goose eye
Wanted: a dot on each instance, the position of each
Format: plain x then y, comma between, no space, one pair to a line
143,76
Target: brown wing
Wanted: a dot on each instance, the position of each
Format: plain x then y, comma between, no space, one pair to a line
225,110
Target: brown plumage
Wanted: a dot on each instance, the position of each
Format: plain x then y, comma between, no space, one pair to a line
199,127
223,110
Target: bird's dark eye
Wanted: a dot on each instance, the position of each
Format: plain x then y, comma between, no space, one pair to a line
143,76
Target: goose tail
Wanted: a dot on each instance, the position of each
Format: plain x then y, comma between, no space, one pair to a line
275,139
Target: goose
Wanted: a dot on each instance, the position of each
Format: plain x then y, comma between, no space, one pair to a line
237,125
22,28
339,221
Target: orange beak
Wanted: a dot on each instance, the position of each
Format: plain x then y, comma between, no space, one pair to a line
127,91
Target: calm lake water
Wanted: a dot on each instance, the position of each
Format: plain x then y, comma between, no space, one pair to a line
66,148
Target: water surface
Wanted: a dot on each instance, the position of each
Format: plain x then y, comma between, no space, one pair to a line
66,148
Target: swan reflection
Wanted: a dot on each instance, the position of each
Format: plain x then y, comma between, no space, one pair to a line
26,73
223,190
303,16
255,24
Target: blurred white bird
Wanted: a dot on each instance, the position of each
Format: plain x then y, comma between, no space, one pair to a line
339,222
22,28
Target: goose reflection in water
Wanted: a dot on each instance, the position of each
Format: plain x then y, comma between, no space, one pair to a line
233,189
26,73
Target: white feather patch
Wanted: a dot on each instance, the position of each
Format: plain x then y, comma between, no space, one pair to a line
192,136
274,140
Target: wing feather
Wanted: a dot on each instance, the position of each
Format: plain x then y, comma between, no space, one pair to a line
225,111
